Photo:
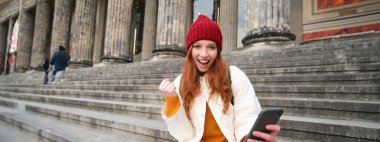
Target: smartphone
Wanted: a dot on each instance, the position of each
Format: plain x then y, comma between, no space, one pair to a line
266,116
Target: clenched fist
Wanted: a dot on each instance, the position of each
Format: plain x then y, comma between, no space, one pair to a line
167,88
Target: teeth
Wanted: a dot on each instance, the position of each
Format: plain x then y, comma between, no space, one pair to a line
203,62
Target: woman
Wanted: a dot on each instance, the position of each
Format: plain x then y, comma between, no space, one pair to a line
198,105
46,69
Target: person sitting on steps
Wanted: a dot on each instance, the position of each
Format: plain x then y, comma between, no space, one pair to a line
210,101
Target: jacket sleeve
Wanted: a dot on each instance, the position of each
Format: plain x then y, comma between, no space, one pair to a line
246,104
53,59
171,105
179,125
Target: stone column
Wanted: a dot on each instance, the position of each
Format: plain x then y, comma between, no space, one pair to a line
118,28
150,29
61,25
3,44
84,33
40,49
99,31
24,42
8,46
228,24
296,19
172,24
190,13
268,21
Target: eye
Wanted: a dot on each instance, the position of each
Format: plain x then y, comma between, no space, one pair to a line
213,47
196,46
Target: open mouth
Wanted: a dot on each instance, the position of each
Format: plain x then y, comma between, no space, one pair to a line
203,62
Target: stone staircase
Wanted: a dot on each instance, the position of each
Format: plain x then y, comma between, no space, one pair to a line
330,91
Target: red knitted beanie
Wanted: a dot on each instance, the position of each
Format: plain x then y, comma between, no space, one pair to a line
204,28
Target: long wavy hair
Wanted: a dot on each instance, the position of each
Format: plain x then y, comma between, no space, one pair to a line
217,76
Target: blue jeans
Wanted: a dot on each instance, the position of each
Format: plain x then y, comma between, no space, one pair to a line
53,75
55,72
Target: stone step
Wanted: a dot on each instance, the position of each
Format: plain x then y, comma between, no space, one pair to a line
138,81
11,118
154,129
303,63
9,133
8,104
58,130
132,68
151,111
338,48
246,63
288,62
359,89
329,130
302,70
345,92
268,59
151,92
313,105
156,98
287,122
22,78
317,70
121,77
105,74
328,108
335,79
247,59
321,95
114,88
314,59
367,44
153,98
371,89
117,122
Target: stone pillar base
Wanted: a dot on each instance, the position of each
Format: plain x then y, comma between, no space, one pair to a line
21,70
137,57
270,45
102,64
81,64
116,59
168,51
38,68
267,35
166,56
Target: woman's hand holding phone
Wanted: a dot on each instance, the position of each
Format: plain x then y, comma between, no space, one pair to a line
265,128
272,137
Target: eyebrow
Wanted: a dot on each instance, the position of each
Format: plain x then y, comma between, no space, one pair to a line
212,44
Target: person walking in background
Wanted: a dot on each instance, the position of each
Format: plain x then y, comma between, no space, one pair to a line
60,61
46,70
210,101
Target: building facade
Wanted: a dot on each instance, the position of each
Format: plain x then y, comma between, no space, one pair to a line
99,32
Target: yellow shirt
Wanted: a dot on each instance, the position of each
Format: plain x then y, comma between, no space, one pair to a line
212,132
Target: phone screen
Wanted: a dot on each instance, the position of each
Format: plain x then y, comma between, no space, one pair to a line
266,116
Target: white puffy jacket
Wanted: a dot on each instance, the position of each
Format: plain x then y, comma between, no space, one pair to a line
234,126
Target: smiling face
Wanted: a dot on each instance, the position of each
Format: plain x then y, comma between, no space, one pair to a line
204,53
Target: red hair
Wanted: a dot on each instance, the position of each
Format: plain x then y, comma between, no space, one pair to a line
217,76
